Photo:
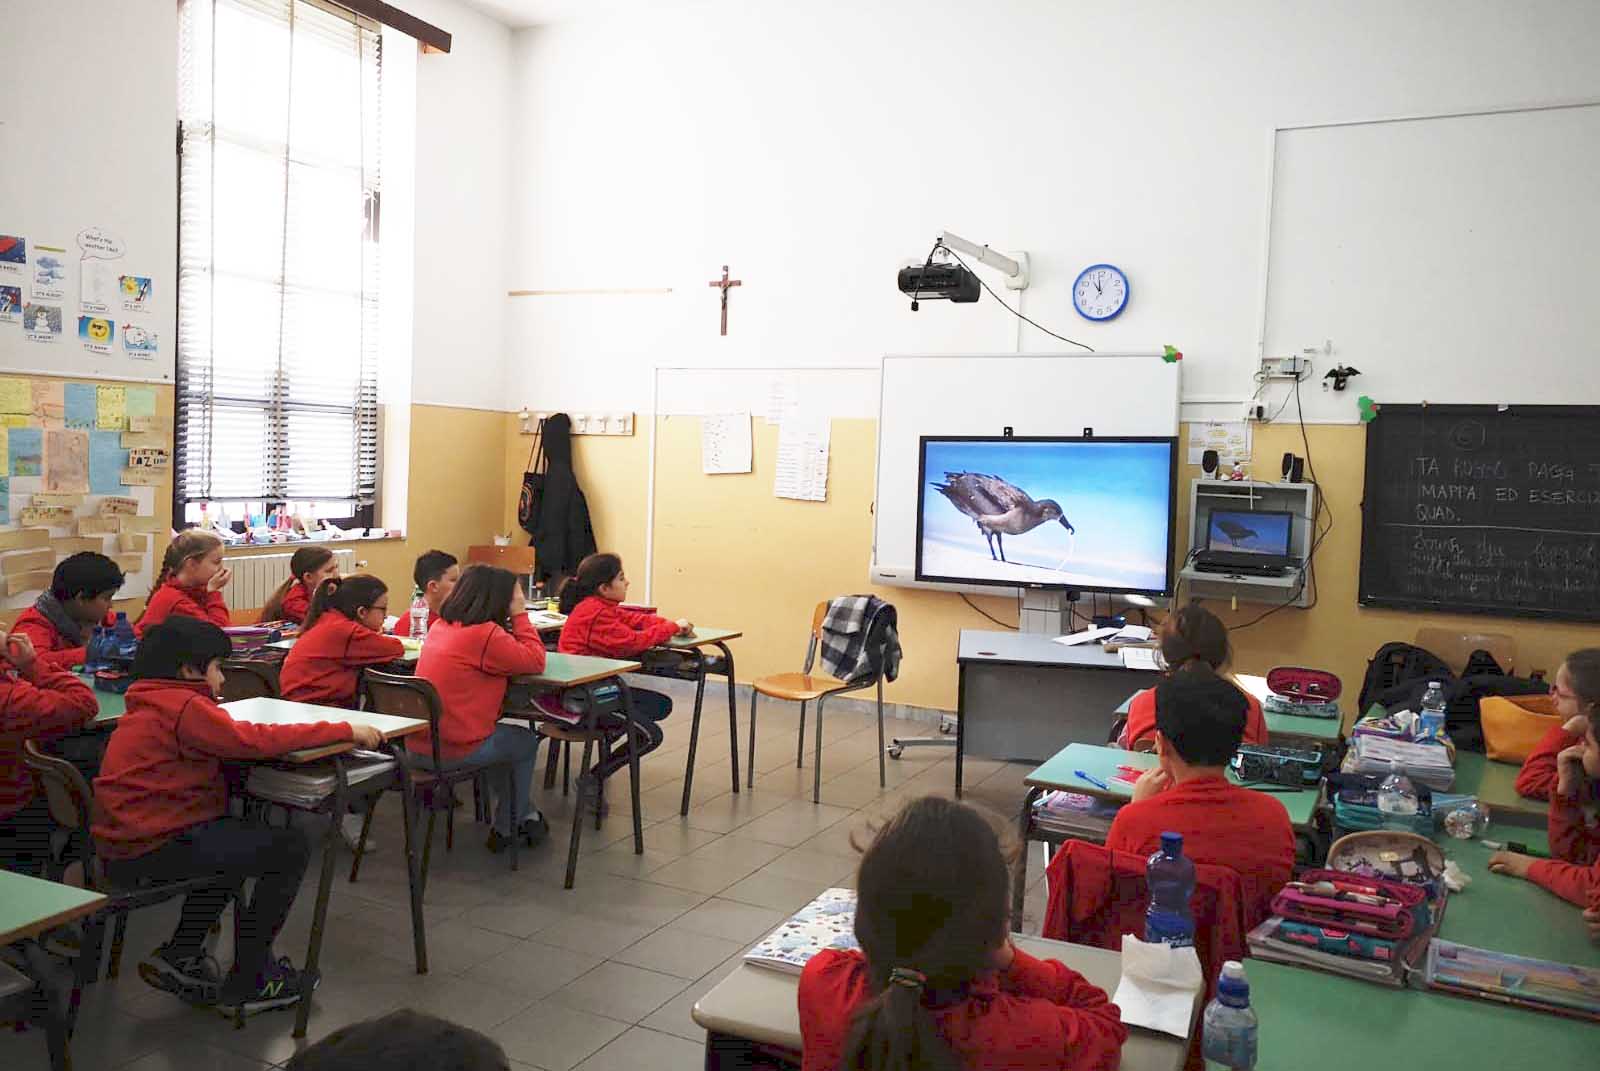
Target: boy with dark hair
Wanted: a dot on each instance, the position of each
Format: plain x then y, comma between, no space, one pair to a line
435,574
1200,720
161,815
59,621
403,1040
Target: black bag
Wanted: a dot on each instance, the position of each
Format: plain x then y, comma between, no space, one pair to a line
1398,675
532,495
1461,716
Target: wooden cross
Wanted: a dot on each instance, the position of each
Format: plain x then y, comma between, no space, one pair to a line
724,283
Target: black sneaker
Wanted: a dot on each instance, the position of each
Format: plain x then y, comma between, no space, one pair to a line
534,830
280,985
196,979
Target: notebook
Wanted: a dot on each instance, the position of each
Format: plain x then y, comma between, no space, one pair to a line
827,922
1562,988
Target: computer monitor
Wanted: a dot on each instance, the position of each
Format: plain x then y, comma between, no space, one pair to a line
1081,514
1264,532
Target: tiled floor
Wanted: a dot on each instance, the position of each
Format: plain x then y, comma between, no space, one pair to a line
598,978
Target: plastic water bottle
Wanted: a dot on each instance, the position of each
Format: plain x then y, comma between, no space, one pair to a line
94,652
1170,876
1430,722
123,639
419,617
1397,799
1228,1028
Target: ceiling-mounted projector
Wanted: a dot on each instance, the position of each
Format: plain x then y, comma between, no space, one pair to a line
928,282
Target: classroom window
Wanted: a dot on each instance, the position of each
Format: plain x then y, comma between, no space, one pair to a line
278,252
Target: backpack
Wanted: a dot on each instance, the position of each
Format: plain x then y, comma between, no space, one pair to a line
1398,674
531,497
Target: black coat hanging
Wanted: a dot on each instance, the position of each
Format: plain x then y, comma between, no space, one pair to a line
562,532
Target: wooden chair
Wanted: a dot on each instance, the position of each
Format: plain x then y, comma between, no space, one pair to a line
247,678
71,804
433,788
1456,647
807,687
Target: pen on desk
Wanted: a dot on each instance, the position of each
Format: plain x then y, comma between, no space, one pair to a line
1095,781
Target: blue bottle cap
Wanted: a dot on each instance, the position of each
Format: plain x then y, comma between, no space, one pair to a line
1172,843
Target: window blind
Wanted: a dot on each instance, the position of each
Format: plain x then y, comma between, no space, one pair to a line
279,195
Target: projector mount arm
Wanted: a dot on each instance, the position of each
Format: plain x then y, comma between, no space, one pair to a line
1015,271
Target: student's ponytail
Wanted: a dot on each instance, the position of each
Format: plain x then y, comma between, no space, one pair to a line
895,1032
345,596
303,561
594,573
1194,636
187,544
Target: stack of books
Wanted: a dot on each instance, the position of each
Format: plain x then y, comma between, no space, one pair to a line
1070,814
307,786
1425,763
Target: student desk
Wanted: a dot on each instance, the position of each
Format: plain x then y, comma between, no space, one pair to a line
1289,729
757,1005
1511,915
264,711
1495,783
1021,696
563,672
31,906
692,664
112,706
1315,1021
1101,763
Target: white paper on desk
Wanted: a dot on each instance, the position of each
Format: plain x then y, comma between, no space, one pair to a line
1158,986
1135,633
1254,685
1088,635
802,467
725,443
1140,658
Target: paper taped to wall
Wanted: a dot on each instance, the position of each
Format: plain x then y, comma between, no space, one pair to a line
802,466
725,445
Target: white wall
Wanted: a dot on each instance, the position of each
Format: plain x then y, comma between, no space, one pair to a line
463,190
817,147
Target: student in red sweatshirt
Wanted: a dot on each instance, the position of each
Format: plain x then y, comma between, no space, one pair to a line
190,582
483,638
435,574
1200,719
1191,636
937,984
37,702
161,815
598,625
1576,692
343,632
308,568
60,621
1573,872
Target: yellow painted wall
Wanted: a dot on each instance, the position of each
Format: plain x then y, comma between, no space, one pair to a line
728,553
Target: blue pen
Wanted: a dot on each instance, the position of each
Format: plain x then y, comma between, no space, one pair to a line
1095,781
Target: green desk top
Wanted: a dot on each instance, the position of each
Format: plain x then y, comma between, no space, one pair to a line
112,705
1511,915
1495,783
29,906
703,636
1283,728
1102,762
566,671
1315,1021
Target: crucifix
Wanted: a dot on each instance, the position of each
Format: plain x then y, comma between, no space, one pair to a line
725,283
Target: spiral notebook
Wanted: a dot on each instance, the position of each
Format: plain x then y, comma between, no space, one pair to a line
829,921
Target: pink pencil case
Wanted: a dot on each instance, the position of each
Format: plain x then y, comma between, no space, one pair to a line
1392,921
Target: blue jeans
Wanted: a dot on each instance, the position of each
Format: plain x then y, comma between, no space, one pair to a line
519,747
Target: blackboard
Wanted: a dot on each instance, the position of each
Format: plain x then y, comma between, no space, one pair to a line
1483,509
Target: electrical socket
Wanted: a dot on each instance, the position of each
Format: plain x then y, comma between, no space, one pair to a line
1284,367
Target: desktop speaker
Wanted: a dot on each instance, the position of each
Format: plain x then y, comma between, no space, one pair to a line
1209,462
1293,468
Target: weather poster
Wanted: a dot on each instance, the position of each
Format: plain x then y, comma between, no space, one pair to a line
13,255
10,304
139,343
1089,515
41,323
48,276
136,292
96,333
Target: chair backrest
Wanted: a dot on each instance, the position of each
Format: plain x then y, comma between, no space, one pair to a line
1455,647
245,678
67,794
814,637
406,697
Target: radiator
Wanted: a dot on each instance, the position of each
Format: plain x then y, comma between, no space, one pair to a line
257,576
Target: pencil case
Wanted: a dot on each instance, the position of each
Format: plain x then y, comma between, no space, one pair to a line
1392,921
1336,941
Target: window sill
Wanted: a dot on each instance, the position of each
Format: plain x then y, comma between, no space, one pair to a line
248,549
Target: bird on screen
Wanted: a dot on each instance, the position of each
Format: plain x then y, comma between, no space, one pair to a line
999,508
1236,532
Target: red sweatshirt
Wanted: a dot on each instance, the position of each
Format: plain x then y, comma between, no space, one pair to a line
296,603
162,772
1573,872
39,705
469,665
1038,1014
1537,779
171,599
1223,825
1142,720
601,627
322,666
52,647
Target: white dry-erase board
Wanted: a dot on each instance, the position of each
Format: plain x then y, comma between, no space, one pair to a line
1450,259
92,151
1037,394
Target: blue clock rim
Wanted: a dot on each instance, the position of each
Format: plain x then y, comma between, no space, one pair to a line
1127,292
